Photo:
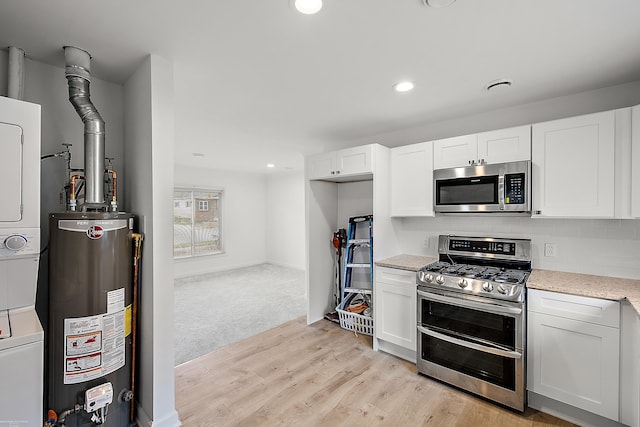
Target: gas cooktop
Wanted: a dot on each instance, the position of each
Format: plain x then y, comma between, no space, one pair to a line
483,266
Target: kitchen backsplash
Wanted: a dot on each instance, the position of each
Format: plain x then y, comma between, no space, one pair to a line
600,247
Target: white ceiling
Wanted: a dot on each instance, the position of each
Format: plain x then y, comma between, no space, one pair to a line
257,82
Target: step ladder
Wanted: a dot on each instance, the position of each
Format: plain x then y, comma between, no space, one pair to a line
362,323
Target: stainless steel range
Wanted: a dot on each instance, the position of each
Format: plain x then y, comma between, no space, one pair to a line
471,316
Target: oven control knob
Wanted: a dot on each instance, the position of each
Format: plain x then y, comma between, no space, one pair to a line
488,287
462,283
502,289
440,280
428,278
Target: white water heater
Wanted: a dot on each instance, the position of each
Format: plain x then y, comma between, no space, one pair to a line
21,335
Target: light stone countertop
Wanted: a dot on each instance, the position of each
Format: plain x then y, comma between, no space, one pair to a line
406,262
604,287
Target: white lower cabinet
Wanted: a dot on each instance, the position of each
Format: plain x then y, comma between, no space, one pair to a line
395,311
630,366
574,351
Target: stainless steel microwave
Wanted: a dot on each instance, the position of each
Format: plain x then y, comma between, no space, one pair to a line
500,187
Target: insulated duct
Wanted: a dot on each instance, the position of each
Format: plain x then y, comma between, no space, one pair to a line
78,73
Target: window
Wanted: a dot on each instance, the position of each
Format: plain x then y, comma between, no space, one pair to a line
196,231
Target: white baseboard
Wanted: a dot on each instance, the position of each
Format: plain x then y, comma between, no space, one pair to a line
286,265
169,420
567,412
201,272
396,350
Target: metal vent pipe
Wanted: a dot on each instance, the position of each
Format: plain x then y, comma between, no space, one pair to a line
78,73
15,86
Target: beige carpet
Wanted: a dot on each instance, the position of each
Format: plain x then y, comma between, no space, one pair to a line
217,309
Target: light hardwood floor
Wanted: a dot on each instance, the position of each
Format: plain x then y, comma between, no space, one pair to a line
322,375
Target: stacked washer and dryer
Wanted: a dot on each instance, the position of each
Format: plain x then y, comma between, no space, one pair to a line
21,334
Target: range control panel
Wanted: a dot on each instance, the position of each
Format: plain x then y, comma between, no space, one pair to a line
489,247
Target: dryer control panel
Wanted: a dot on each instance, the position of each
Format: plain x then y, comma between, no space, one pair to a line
18,242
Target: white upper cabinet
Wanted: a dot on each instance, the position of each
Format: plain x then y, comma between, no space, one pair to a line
623,164
573,167
498,146
412,180
355,160
341,165
635,161
321,165
455,152
505,145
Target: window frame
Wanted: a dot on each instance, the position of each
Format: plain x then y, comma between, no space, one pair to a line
194,207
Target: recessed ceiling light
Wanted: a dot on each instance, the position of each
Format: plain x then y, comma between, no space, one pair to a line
404,86
499,84
271,165
438,3
197,154
308,7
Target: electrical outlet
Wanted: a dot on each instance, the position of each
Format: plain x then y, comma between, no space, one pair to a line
550,249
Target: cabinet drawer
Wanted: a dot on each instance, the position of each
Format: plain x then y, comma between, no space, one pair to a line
586,309
396,276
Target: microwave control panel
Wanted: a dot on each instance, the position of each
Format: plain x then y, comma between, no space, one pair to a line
514,189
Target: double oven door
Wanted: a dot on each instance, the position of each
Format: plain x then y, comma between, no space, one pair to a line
474,343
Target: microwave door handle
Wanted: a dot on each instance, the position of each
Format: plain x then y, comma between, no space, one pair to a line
483,306
501,202
474,346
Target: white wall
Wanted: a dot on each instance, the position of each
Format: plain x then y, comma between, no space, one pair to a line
46,85
244,219
600,247
285,220
148,178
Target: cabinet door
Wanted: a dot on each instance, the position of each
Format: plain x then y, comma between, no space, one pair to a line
321,166
505,145
573,167
635,162
412,180
395,307
455,152
629,366
357,160
574,362
585,309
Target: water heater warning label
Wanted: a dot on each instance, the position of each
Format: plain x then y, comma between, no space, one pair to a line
94,346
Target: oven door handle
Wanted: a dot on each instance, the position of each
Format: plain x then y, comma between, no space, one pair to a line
488,307
463,343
